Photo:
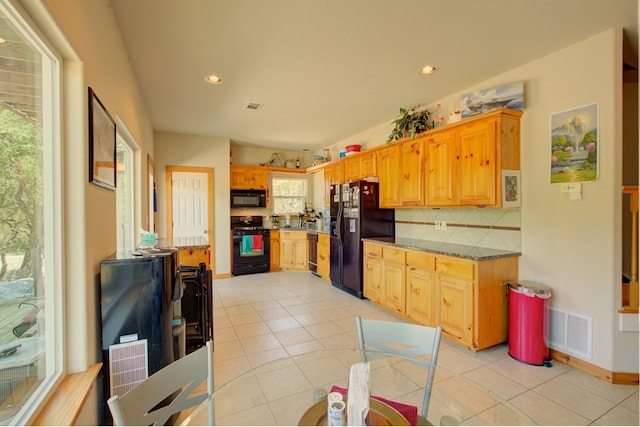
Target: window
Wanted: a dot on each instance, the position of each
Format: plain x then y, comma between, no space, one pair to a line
30,217
124,195
289,195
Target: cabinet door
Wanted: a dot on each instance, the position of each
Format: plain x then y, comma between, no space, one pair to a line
478,167
323,259
194,256
300,255
368,165
274,255
456,308
333,174
257,178
286,253
411,178
441,170
422,296
394,286
237,179
372,278
352,170
388,161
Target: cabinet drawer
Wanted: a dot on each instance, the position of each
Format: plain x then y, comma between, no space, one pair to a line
455,267
422,260
393,255
372,251
323,238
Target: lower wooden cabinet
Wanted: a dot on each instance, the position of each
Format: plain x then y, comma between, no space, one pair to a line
323,256
194,256
467,298
274,250
372,273
293,250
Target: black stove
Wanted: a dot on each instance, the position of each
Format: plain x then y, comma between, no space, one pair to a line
250,245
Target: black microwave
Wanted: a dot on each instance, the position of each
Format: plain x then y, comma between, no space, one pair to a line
248,198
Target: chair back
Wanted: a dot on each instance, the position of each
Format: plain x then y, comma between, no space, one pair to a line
403,339
181,378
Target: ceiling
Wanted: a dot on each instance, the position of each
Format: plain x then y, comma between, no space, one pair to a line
325,70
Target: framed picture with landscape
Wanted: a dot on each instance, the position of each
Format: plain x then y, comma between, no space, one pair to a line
574,145
102,144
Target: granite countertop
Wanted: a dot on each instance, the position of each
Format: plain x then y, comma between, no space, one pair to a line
183,242
461,251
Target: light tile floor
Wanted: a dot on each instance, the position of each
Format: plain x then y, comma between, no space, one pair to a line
264,317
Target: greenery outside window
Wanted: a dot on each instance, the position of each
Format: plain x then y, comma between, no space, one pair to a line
289,195
30,218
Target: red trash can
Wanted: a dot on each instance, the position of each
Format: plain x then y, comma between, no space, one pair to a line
529,322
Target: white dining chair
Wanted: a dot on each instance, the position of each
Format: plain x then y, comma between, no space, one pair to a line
403,339
184,376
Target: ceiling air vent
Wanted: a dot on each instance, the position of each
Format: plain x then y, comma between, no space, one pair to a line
252,106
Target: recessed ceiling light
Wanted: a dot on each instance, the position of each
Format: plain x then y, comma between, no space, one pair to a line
428,69
213,79
2,40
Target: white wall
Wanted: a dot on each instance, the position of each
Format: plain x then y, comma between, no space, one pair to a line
573,246
88,39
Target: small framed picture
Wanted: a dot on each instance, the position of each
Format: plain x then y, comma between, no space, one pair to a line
511,191
102,144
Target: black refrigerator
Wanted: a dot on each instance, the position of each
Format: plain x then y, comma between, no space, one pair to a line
137,292
354,215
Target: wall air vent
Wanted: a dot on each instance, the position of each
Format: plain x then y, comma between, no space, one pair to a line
570,333
252,106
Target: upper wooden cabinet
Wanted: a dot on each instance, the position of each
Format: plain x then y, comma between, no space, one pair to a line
359,166
411,173
464,162
248,177
333,174
388,176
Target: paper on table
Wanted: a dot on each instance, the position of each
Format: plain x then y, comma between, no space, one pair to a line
358,394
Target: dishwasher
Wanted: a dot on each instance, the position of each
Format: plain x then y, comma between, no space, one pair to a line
312,239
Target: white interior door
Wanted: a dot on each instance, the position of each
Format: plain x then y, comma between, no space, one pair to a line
189,191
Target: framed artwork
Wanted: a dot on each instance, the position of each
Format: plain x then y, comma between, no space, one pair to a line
102,144
506,96
511,191
574,145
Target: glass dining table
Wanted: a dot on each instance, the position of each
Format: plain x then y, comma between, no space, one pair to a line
285,392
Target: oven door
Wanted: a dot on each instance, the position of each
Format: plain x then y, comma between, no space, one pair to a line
251,252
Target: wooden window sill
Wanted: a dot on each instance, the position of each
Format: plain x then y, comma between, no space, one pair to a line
69,398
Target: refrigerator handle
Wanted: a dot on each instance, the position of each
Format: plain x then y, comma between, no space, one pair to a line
339,219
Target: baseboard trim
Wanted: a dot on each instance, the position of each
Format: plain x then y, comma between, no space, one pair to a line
222,276
596,371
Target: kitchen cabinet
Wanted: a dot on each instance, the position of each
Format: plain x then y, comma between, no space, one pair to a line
393,276
441,166
194,256
423,288
372,279
293,250
468,298
411,173
388,161
359,166
333,174
464,161
248,177
274,250
323,256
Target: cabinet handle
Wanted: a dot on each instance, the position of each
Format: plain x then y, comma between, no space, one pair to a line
446,303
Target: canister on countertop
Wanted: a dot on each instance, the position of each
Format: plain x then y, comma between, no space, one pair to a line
337,414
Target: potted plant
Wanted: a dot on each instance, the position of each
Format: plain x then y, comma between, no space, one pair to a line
410,123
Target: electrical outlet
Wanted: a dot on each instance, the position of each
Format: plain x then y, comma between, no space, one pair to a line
443,225
437,225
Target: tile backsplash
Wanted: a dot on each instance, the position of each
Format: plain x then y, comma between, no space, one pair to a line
483,227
